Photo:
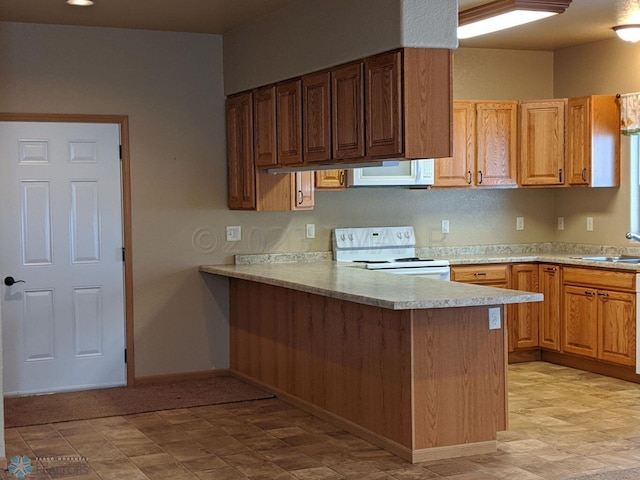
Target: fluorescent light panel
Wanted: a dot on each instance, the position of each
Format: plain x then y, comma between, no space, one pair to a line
501,22
503,14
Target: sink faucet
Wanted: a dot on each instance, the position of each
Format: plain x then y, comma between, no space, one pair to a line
633,236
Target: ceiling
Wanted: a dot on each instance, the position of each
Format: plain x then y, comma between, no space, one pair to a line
583,22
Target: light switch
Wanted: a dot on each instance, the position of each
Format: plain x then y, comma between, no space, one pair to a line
234,233
519,223
311,230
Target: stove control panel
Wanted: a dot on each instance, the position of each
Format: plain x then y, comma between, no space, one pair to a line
374,237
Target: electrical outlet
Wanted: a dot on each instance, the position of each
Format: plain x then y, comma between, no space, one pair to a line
445,226
519,223
311,230
234,233
494,318
560,223
589,224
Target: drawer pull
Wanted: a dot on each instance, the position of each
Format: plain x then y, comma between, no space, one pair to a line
480,274
551,269
603,294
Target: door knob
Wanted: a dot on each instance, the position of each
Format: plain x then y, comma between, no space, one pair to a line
8,281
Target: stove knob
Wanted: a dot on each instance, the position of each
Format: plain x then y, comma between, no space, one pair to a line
343,236
407,235
399,234
351,237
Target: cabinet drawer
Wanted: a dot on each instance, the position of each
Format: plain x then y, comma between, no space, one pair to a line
480,273
599,278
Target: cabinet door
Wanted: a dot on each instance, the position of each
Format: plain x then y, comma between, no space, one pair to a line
542,144
593,141
302,197
617,327
331,180
289,122
549,314
459,170
347,112
496,130
316,117
382,105
523,319
579,141
580,321
264,107
241,170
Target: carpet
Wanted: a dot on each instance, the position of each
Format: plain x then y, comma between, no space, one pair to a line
627,474
110,402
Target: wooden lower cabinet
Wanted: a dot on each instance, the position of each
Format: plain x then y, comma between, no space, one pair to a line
522,323
599,318
550,310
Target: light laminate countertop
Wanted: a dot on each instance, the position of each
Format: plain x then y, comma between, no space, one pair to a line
380,289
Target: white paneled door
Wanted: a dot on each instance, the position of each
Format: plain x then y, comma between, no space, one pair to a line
63,324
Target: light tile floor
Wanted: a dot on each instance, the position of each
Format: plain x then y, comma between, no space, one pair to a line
563,423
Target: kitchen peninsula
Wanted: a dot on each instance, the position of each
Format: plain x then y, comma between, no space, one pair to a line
407,363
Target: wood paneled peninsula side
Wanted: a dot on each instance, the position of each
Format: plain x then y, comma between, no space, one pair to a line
407,363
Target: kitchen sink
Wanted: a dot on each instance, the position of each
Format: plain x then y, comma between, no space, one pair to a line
616,259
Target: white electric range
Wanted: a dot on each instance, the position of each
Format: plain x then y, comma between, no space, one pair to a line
388,249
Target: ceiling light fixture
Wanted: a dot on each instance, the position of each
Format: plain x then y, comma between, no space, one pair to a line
628,33
503,14
80,3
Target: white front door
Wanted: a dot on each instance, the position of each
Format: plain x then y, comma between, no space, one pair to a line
61,234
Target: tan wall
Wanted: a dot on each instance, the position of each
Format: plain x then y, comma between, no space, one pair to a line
170,85
308,35
605,68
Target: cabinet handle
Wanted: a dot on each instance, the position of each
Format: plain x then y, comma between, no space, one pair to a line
479,177
551,269
584,174
603,294
341,176
480,274
560,175
589,293
300,197
470,177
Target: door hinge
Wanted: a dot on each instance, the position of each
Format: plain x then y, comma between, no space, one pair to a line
124,254
125,355
120,152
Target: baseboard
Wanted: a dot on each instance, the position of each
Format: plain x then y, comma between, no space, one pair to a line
413,456
176,377
595,366
454,451
522,356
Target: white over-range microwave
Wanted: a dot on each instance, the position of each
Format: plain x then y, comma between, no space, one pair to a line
394,173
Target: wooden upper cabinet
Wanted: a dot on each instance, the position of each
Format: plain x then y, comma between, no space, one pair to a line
302,188
593,141
496,140
289,122
264,107
331,180
241,171
316,117
542,142
347,109
383,119
459,170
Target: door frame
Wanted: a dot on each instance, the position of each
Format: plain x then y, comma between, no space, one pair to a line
123,122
